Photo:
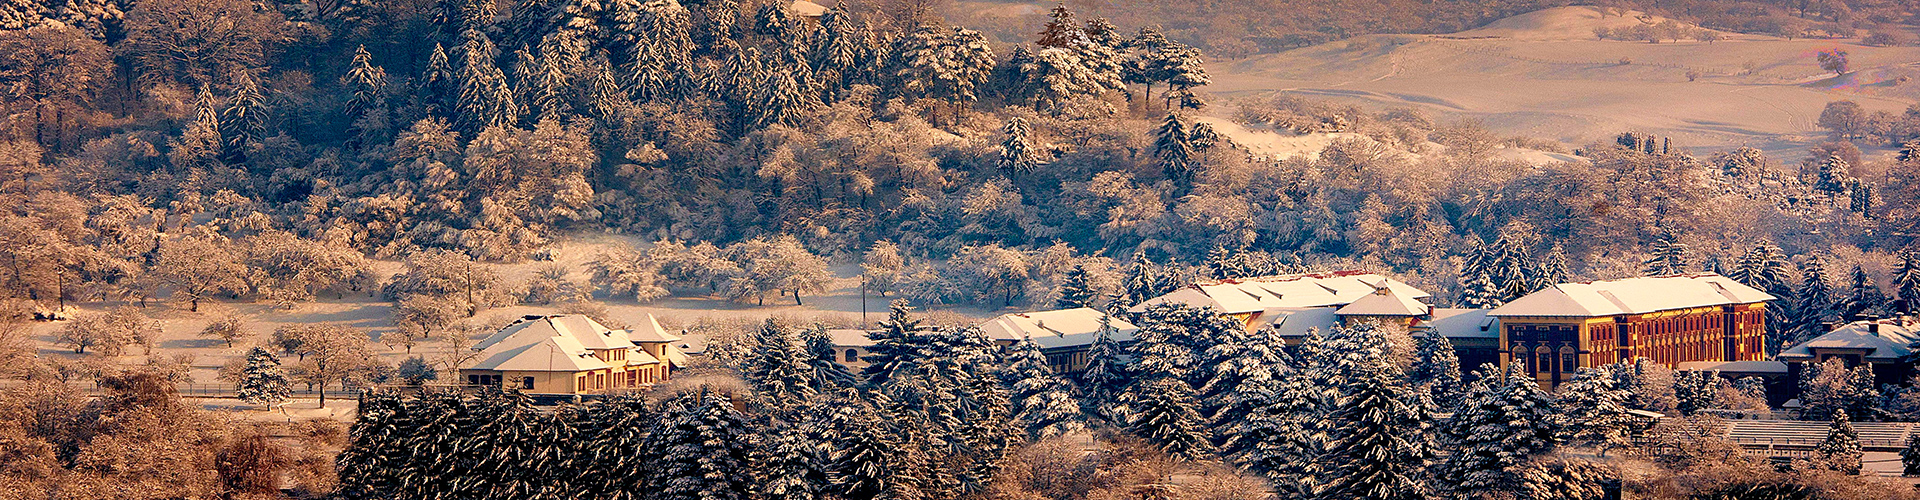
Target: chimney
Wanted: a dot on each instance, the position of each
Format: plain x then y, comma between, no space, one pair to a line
1874,328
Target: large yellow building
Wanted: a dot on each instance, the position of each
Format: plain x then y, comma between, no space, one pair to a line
573,354
1669,319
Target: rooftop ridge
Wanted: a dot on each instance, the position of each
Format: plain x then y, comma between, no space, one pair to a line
1274,278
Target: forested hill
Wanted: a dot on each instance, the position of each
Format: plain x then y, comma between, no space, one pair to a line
234,135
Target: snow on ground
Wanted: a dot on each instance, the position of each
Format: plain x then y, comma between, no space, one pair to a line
1544,74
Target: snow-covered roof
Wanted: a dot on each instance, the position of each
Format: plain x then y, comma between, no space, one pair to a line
1296,321
805,8
650,332
1237,296
1385,302
1633,296
1057,329
1736,366
1883,340
849,337
554,343
1462,323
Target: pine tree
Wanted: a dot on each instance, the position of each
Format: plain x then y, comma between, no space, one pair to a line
552,81
1173,338
1280,439
1552,270
1841,450
777,368
1816,305
1503,420
1696,390
1042,402
1379,445
1863,297
1062,30
829,374
1164,413
1106,370
704,450
790,468
485,99
1076,289
365,82
1594,409
1183,70
893,344
262,383
1241,371
1436,367
1479,292
871,462
944,63
1834,176
1171,147
1017,156
244,122
1906,283
1667,257
436,83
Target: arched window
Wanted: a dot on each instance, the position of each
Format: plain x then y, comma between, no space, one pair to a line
1569,359
853,355
1545,356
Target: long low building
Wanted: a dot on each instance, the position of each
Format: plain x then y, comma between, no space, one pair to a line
573,354
1669,319
1883,345
1252,299
1065,336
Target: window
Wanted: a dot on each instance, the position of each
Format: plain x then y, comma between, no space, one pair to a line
526,383
853,355
1569,359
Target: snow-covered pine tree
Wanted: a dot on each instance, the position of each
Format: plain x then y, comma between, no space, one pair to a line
1480,292
1667,256
1910,457
946,64
1241,370
1503,420
1906,283
1379,445
777,368
829,374
1552,269
1173,337
1184,70
98,18
784,101
1436,367
551,88
1696,390
1863,297
705,450
1017,156
1042,403
870,461
364,82
894,344
1164,413
485,99
1841,450
1076,289
244,122
1062,30
373,464
262,383
1594,410
1833,176
836,51
1281,439
790,468
1816,305
1171,147
436,83
1106,371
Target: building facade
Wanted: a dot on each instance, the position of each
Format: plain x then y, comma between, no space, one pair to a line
573,354
1668,319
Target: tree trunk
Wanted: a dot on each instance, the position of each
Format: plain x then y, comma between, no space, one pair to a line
796,298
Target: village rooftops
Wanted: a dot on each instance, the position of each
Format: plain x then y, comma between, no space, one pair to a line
554,343
1253,295
1462,323
1385,302
1632,296
1882,341
1054,329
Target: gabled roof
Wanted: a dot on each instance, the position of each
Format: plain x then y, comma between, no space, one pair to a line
1385,302
1888,342
1056,329
1296,321
649,331
556,354
554,343
1237,296
1633,296
1462,323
